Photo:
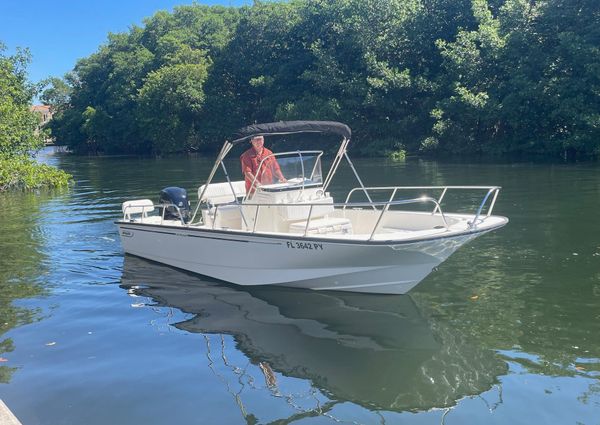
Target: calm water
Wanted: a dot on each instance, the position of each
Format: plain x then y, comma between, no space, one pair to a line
506,331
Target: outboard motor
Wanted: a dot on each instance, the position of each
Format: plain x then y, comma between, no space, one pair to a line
175,196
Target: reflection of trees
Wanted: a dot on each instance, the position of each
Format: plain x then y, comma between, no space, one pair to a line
20,262
120,177
529,287
505,307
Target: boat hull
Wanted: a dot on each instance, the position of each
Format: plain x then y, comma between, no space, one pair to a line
388,267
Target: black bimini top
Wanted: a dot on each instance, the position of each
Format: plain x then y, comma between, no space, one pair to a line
291,127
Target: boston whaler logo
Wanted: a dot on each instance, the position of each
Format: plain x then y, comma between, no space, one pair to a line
126,234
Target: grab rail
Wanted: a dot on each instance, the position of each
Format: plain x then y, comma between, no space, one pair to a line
143,213
495,190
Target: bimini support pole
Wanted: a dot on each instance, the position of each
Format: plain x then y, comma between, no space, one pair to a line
343,153
358,178
335,163
224,151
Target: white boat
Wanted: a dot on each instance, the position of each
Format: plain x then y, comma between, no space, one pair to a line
293,233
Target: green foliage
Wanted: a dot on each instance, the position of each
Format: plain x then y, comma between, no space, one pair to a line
17,122
24,173
525,81
435,76
399,155
170,102
56,93
19,137
256,73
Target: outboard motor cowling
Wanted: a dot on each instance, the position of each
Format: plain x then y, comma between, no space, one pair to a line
170,196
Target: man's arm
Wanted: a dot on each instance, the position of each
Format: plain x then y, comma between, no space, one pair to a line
249,176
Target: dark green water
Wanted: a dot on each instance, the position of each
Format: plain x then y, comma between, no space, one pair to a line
506,331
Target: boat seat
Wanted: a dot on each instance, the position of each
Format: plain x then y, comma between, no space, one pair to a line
138,206
397,230
326,225
220,193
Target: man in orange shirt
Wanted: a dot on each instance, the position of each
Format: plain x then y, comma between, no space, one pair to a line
251,160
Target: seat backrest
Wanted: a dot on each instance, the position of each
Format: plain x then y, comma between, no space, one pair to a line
138,206
220,193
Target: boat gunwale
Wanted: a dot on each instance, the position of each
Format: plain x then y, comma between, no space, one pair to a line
296,237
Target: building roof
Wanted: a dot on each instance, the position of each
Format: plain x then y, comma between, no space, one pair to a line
40,108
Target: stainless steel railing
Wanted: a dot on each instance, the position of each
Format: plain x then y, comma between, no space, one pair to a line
382,207
385,207
149,208
491,190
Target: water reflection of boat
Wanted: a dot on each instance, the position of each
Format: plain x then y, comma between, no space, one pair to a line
376,351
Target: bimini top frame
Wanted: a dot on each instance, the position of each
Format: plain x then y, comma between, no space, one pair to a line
284,128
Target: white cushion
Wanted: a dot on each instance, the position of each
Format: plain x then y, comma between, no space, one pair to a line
323,226
220,193
138,206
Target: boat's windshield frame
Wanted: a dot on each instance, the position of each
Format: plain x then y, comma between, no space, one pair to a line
317,154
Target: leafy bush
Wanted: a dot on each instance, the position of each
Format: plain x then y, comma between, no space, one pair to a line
24,173
399,155
19,135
